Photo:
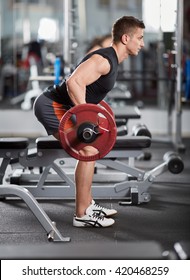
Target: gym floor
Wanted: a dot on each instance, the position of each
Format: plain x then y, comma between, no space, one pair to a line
146,231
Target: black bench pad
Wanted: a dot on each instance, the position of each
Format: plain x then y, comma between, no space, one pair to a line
14,143
122,142
127,112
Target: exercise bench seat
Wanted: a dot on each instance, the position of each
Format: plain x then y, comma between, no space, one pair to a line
127,112
122,142
14,143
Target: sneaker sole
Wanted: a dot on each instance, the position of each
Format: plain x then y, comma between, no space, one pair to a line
84,224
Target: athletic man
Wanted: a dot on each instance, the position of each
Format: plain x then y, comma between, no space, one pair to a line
91,80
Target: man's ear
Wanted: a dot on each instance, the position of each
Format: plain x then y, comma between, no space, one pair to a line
125,39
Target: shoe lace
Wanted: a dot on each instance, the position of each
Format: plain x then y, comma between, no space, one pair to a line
98,216
98,206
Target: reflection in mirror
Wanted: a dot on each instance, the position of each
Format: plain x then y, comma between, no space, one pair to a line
34,32
31,31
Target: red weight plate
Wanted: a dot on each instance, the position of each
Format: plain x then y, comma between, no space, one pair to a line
96,115
107,107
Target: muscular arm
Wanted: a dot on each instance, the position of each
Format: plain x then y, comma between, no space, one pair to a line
85,74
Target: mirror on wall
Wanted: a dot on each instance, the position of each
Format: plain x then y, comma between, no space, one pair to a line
31,35
34,32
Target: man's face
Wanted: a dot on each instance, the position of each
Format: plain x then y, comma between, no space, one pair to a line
135,42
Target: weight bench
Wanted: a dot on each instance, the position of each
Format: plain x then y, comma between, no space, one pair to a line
17,148
132,185
124,113
127,112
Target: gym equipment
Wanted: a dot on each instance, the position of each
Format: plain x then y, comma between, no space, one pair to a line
176,68
27,98
141,130
17,148
122,130
106,106
70,30
187,79
178,45
126,113
124,181
122,116
57,70
175,164
93,125
121,123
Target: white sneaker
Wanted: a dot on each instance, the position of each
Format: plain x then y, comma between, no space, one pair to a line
92,219
96,208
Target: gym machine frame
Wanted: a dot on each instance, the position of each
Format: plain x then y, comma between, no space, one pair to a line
17,148
132,186
176,140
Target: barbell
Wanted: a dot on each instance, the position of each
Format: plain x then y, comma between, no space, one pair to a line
88,125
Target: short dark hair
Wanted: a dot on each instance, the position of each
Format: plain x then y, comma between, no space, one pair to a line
125,24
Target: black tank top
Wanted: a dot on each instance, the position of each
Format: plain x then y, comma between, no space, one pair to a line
96,91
